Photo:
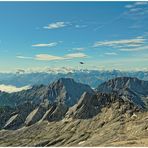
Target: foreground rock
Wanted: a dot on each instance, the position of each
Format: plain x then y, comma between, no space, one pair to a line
108,128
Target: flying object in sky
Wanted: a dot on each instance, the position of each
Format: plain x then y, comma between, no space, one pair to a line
81,62
20,71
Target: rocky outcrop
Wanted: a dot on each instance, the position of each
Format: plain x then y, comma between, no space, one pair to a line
18,117
14,122
65,99
5,114
58,113
64,90
90,105
132,89
85,108
35,116
67,91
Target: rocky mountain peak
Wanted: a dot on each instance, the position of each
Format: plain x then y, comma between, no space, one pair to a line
132,89
66,90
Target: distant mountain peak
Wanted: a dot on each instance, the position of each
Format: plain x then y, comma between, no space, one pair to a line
64,81
127,87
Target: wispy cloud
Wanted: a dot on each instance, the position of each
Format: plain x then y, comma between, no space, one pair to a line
100,26
56,25
121,43
80,26
75,55
137,10
46,45
79,49
23,57
111,53
129,6
135,49
47,57
136,4
136,44
141,3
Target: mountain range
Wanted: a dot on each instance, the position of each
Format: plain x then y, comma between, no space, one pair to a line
79,113
91,77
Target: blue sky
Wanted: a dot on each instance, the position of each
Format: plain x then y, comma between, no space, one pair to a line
105,35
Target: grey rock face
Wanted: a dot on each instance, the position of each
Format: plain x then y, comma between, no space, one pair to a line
64,90
18,117
67,91
13,122
67,99
35,116
48,113
58,113
5,114
85,108
90,105
132,89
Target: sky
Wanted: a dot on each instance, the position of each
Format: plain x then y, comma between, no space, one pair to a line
103,35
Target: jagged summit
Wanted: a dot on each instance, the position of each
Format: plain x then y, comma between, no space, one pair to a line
65,81
65,99
67,90
64,90
128,88
124,82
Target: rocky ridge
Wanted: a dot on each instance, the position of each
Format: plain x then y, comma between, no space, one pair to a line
103,109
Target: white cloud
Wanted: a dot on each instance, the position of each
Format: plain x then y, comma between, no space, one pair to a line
111,53
47,57
10,88
46,45
134,49
136,11
23,57
79,49
136,4
75,55
56,25
141,3
125,42
129,6
135,44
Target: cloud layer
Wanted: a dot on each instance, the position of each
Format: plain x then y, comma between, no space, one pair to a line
10,88
47,57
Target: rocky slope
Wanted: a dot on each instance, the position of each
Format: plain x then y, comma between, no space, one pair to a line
129,88
75,115
113,125
64,90
50,102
